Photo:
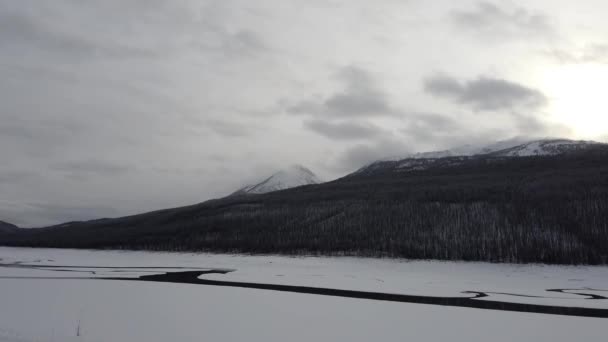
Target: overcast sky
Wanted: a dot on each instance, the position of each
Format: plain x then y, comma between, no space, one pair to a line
114,107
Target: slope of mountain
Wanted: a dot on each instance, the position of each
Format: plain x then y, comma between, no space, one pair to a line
291,177
7,227
466,150
549,208
516,147
544,147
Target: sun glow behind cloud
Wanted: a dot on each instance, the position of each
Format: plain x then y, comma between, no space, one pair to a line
579,98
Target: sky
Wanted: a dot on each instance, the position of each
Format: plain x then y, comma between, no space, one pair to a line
115,107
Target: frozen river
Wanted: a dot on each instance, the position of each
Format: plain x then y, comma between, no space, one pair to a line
78,295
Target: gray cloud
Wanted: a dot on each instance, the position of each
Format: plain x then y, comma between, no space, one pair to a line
134,30
36,138
11,176
591,53
492,19
243,42
360,97
486,94
363,154
344,130
229,129
26,130
532,126
18,29
86,168
429,127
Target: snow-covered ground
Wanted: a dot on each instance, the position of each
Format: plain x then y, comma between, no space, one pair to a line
50,304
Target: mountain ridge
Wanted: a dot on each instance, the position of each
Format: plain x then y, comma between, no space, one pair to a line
516,147
502,145
540,208
7,227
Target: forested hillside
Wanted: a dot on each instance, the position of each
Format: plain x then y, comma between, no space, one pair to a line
551,209
6,227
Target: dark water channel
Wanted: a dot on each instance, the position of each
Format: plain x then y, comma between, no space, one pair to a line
189,275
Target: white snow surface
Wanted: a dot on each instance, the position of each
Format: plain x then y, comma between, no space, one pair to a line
291,177
37,305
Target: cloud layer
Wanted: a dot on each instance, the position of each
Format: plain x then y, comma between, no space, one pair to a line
359,97
116,107
486,94
500,19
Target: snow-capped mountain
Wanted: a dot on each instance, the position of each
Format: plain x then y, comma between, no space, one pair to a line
516,147
291,177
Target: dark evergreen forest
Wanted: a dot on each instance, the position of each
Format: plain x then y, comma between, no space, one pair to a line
550,209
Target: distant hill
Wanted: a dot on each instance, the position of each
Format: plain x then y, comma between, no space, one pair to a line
497,206
7,227
294,176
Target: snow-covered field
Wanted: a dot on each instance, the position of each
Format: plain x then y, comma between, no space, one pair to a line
54,303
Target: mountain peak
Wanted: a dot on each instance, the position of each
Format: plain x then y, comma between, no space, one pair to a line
290,177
